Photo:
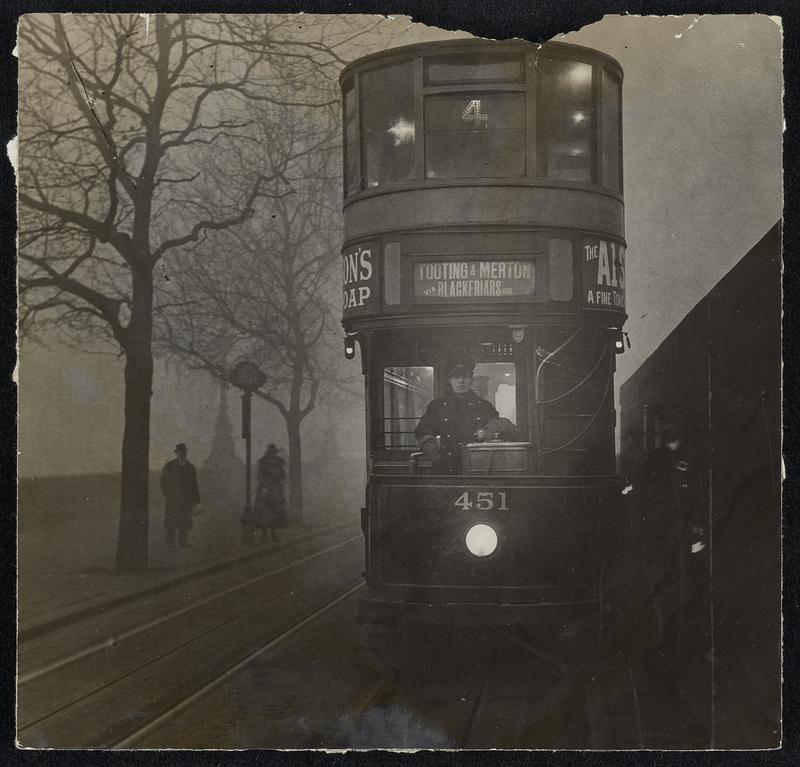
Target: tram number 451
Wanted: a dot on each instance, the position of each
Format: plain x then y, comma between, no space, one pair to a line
483,501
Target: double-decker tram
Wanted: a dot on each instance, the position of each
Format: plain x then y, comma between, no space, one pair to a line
484,274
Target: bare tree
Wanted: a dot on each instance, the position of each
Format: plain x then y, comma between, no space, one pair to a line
268,291
119,115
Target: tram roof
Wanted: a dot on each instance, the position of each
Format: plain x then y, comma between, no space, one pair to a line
436,46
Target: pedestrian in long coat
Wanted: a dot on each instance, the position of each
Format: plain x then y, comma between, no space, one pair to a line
181,496
270,506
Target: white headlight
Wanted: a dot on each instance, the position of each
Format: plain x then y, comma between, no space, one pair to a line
481,540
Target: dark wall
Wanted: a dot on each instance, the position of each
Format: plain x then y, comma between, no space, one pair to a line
707,509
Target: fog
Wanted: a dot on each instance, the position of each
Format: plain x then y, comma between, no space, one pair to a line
702,138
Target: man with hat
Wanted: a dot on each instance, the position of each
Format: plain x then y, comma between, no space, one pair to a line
455,419
179,487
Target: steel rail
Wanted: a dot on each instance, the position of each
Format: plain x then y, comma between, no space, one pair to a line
131,738
477,697
136,669
115,639
30,632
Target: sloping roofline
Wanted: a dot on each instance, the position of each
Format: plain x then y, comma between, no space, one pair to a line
771,241
447,46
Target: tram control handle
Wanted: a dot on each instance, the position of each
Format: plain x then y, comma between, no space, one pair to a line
423,459
495,431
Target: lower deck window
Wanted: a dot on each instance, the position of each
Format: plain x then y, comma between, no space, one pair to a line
497,383
551,386
406,393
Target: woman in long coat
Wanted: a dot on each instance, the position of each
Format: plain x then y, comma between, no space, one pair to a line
270,506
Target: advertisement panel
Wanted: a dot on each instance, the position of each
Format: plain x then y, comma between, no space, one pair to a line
360,279
603,274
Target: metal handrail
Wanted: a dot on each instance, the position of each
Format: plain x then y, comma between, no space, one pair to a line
585,428
548,358
578,385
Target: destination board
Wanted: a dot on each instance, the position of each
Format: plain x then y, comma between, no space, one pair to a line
474,280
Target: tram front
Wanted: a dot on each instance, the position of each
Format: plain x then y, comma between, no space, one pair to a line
484,243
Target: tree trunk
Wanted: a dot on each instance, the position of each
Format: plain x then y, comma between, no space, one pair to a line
293,422
132,539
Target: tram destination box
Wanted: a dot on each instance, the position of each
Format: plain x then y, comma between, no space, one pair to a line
496,457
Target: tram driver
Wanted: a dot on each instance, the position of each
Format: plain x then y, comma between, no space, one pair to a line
457,419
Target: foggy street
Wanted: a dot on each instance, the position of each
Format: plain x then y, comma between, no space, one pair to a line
386,386
266,652
261,648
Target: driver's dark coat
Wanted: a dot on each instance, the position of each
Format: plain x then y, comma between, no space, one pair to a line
455,418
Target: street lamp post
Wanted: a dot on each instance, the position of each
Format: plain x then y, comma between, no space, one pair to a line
248,377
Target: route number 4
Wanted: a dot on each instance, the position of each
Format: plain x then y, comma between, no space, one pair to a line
482,501
472,111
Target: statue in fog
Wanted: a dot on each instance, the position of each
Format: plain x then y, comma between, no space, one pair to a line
181,496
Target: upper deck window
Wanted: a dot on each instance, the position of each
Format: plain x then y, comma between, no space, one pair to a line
611,136
482,113
564,119
351,179
488,67
474,135
387,121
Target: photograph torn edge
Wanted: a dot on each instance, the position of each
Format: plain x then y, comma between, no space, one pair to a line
12,153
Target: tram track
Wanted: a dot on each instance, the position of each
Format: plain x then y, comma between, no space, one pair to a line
577,709
510,692
153,724
117,638
507,690
472,710
476,712
452,693
516,693
138,664
558,702
41,625
452,715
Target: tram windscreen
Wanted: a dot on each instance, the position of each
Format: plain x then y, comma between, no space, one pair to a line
351,179
474,135
611,136
564,119
387,118
406,394
497,383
